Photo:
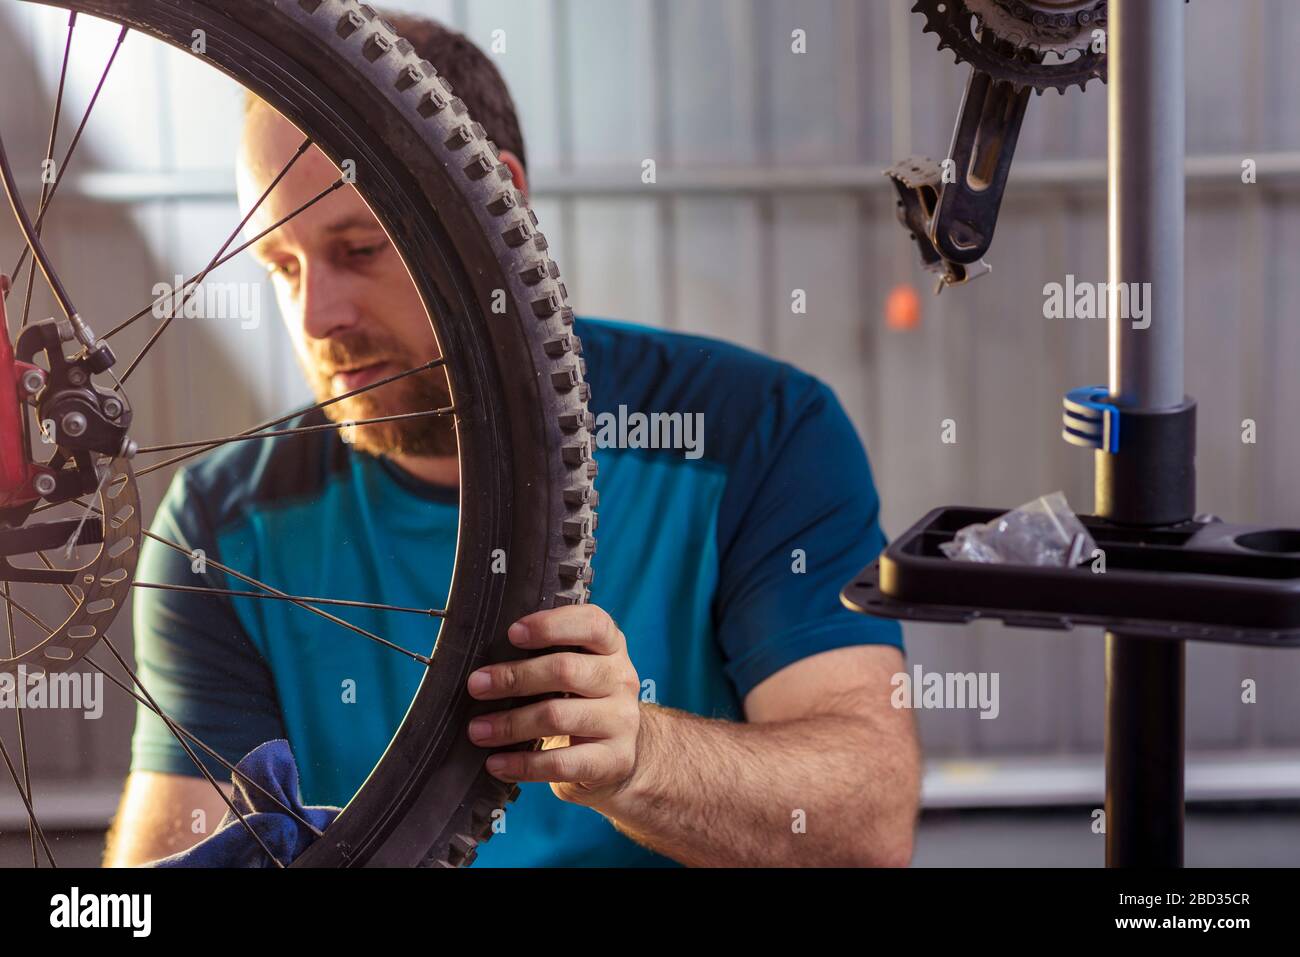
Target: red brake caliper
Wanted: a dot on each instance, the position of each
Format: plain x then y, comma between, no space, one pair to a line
19,476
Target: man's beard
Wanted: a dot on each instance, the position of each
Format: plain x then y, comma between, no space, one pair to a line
427,435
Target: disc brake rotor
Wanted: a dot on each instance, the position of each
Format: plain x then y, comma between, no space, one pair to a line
98,587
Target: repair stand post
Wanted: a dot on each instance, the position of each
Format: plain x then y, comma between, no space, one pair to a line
1145,677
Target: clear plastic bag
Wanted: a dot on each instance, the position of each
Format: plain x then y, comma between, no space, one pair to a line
1042,532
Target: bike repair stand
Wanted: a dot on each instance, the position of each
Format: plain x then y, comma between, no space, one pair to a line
1150,479
1169,577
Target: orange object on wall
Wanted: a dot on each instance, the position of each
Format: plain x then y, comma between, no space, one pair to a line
902,308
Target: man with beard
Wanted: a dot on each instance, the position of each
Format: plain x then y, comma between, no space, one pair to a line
772,702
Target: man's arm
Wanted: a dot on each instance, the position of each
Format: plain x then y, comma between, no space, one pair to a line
826,772
160,815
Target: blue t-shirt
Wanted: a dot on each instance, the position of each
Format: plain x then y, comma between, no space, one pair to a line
721,562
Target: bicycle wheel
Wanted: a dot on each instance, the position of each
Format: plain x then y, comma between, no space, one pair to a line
357,90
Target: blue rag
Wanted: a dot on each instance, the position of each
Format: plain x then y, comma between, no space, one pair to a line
272,767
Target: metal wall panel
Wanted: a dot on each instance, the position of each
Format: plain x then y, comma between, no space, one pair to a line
713,89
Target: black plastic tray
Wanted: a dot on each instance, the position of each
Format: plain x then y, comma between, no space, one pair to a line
1207,581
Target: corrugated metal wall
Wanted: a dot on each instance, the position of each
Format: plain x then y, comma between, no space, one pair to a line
768,181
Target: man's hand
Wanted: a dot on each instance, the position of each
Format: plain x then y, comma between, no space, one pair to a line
597,730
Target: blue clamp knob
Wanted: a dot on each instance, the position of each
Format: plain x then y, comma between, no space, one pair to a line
1090,421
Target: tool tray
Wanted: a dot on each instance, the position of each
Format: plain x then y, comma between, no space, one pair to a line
1202,580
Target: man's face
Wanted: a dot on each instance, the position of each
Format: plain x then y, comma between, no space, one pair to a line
351,308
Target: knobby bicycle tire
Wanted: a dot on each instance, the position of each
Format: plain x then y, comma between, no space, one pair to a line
342,74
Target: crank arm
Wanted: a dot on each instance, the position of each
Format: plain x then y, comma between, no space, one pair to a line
983,145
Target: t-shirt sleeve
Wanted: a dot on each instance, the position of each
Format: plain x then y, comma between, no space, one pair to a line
192,654
799,519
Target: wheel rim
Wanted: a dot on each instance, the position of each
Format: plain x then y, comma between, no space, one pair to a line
429,762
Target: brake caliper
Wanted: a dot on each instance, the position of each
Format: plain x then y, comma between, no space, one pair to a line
77,416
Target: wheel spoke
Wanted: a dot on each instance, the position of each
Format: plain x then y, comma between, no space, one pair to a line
67,589
297,601
303,430
212,753
22,733
12,602
422,659
300,602
186,289
431,364
337,184
31,814
76,535
49,156
198,589
171,726
72,147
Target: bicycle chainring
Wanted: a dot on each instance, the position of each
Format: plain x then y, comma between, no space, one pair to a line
1040,44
